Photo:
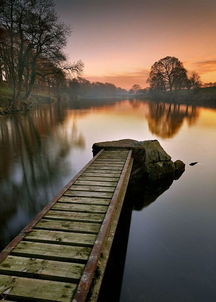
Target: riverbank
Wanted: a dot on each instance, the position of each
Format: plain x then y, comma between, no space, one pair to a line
37,98
205,97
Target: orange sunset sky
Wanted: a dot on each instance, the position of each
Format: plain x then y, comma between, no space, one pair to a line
119,40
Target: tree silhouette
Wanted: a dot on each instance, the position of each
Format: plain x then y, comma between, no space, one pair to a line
31,35
194,81
168,74
135,88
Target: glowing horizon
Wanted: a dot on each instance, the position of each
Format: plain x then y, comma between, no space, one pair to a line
119,41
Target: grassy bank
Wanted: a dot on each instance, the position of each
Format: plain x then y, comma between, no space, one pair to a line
38,97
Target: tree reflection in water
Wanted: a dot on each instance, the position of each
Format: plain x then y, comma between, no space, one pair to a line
35,153
165,120
35,149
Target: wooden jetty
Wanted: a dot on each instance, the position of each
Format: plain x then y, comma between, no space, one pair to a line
62,254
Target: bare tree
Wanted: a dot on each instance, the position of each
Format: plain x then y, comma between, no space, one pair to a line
33,33
135,88
168,74
194,81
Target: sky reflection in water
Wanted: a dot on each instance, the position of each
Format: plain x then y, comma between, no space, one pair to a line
171,242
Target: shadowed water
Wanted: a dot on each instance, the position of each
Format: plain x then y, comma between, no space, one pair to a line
171,248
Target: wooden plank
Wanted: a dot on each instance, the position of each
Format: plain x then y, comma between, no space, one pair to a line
104,168
75,216
109,170
110,161
69,226
41,268
91,188
113,156
84,200
118,156
98,178
80,208
52,251
61,237
101,174
96,183
90,194
113,160
109,164
114,153
36,290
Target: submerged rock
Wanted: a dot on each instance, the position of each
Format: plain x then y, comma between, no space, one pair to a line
151,162
193,163
179,168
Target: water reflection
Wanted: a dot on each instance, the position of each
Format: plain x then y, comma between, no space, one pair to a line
165,120
36,148
168,239
34,151
146,193
138,196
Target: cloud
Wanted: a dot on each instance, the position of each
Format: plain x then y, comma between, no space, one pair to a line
205,66
124,80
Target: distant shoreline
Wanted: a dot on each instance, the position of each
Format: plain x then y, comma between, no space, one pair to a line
204,97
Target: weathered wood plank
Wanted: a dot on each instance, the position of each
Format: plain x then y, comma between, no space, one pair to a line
113,161
122,151
99,178
36,290
107,167
80,208
119,156
104,168
96,183
69,226
91,188
83,200
100,174
61,237
41,268
52,251
109,163
74,216
90,194
113,156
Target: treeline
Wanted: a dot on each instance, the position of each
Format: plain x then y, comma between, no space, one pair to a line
31,42
169,81
82,88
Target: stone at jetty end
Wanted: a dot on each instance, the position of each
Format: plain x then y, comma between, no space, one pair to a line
151,162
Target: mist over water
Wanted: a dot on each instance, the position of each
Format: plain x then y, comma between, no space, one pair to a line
171,247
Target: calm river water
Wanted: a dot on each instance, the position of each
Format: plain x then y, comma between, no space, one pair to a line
172,242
